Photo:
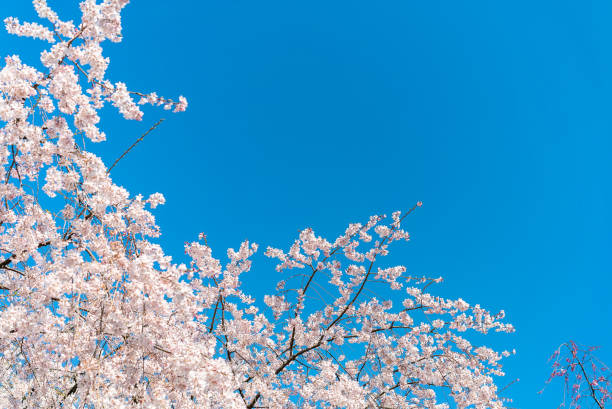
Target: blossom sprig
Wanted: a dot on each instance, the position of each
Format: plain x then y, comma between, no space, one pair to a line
585,377
77,50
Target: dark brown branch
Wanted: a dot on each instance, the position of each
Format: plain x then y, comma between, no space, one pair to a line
589,383
10,258
284,365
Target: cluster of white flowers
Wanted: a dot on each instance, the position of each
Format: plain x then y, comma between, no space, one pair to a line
300,356
94,314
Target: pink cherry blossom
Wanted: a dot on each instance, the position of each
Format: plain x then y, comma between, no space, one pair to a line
93,313
585,377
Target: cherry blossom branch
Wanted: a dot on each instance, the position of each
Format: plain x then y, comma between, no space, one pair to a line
365,279
565,366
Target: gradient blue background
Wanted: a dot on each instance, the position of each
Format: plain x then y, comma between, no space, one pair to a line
497,115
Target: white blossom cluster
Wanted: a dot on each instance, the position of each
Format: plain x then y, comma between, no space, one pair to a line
95,314
352,350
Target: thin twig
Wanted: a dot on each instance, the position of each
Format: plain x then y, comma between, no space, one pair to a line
134,144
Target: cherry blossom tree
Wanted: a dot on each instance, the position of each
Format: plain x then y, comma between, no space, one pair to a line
586,379
93,313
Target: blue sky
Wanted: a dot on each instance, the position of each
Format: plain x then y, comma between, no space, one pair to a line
497,115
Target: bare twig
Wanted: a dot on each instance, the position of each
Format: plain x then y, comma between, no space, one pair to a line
134,144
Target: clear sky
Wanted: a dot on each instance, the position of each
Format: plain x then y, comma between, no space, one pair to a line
496,114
